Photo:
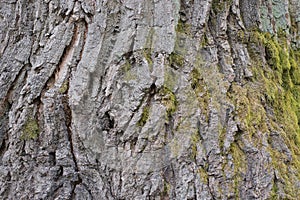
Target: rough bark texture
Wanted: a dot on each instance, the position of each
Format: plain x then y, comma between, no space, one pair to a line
149,99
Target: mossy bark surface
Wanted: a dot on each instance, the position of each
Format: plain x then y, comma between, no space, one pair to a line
164,99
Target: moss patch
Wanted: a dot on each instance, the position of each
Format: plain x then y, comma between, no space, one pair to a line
203,175
145,115
219,6
249,110
199,87
147,54
166,190
169,100
279,81
183,27
176,60
64,87
30,129
195,138
148,49
239,161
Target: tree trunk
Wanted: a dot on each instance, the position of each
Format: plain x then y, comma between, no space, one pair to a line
140,99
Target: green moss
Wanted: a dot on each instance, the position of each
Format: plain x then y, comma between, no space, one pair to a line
204,40
285,172
145,115
239,158
279,86
222,135
167,188
273,57
274,192
183,28
239,161
148,49
169,100
147,54
176,60
203,175
199,87
64,87
183,35
249,110
195,138
196,78
294,60
219,6
242,36
30,129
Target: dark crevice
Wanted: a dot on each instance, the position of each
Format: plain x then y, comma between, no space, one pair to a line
238,134
2,149
88,190
14,82
107,122
68,115
5,106
68,121
54,190
52,158
38,114
51,80
84,40
210,190
59,173
133,142
110,183
74,185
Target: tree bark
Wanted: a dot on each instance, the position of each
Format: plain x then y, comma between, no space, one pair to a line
140,99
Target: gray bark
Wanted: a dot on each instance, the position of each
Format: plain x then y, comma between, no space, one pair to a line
140,99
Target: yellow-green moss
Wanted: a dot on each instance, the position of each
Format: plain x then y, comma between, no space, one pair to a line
294,60
147,51
183,27
199,87
240,166
147,54
249,110
242,36
279,82
166,191
222,135
203,175
204,40
30,129
219,6
145,115
176,60
169,100
289,173
274,192
195,138
64,87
